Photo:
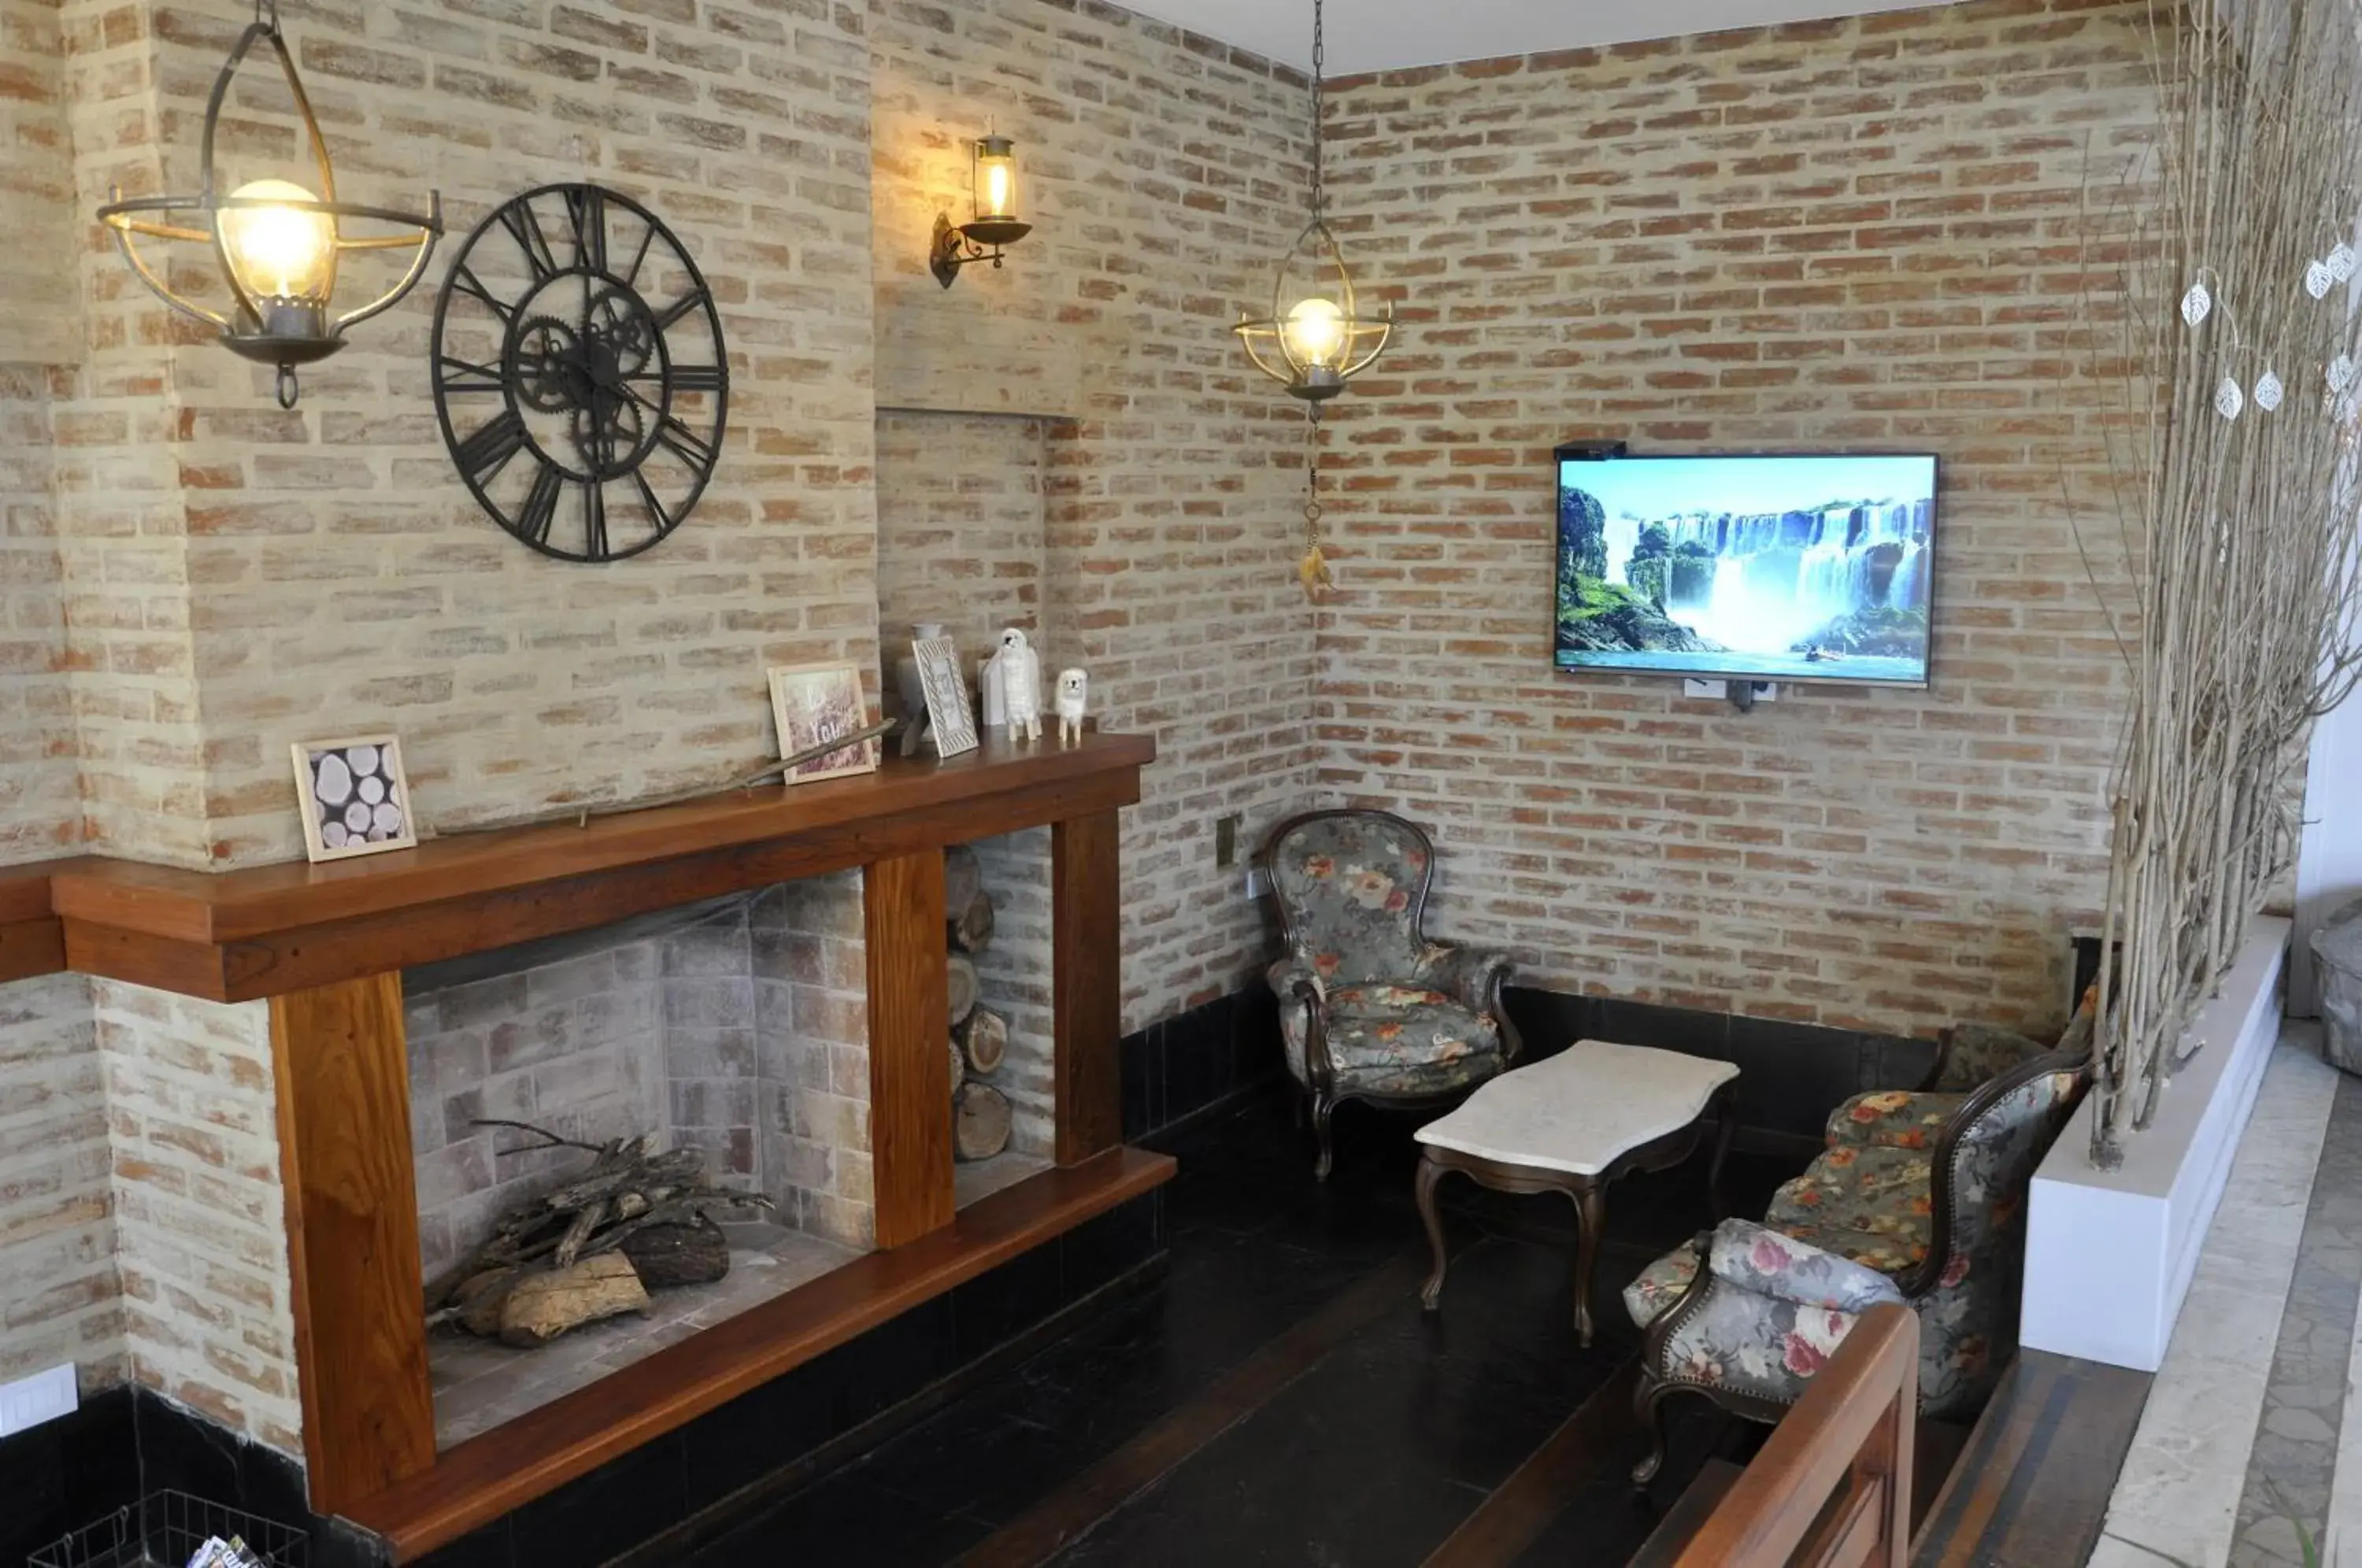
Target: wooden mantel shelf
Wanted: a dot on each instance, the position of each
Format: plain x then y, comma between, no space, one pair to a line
271,930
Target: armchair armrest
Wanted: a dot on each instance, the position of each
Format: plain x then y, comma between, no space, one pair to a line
1895,1119
1755,1258
1471,976
1303,1020
1290,977
1971,1053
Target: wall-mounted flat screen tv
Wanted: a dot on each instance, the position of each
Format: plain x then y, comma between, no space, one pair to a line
1762,567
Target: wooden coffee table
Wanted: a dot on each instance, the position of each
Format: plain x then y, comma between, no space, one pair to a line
1573,1124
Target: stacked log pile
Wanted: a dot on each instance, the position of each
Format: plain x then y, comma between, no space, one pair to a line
980,1113
632,1222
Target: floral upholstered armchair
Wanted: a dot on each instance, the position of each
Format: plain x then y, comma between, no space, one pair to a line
1918,1196
1369,1008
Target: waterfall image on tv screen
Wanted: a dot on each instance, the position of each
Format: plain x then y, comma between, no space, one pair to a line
1790,568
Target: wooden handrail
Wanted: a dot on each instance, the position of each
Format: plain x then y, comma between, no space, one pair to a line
1832,1488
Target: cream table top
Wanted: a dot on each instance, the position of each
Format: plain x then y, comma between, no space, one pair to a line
1579,1110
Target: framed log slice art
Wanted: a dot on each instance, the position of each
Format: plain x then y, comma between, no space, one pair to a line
355,800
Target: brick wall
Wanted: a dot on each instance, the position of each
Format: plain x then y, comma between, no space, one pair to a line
1165,174
337,573
1851,234
38,298
60,1300
200,1218
959,530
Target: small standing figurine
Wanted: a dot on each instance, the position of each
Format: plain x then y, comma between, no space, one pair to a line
1021,680
1074,688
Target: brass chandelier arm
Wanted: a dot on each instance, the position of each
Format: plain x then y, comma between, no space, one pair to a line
425,239
124,230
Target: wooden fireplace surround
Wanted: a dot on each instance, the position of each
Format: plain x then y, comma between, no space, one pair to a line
325,946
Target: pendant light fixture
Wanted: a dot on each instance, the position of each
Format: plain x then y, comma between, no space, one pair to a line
1316,338
277,243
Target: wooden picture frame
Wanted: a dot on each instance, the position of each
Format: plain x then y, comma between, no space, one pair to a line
950,718
813,703
353,797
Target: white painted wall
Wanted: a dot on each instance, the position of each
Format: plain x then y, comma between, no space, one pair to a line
1386,35
2329,861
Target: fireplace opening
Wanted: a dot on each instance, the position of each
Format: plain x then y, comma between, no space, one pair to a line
727,1041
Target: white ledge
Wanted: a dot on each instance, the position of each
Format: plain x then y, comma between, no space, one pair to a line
2109,1254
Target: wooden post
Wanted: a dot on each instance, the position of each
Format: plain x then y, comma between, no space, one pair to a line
1087,925
343,1069
910,1071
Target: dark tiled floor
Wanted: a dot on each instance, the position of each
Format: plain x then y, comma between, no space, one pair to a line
1278,1397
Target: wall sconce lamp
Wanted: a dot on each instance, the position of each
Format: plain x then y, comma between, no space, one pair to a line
277,244
993,194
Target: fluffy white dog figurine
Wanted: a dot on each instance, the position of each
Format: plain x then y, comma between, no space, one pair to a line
1074,689
1021,680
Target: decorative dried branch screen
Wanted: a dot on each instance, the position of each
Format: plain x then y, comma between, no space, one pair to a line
2232,343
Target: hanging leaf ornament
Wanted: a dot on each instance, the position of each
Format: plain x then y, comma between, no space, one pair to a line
2318,278
2269,392
2341,261
2229,401
2197,304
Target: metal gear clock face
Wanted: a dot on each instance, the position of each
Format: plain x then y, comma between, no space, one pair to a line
580,373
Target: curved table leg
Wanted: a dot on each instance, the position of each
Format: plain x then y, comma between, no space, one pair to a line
1591,1211
1431,1172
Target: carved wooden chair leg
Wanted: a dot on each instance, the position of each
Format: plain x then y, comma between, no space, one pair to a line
1649,1404
1323,1109
1430,1176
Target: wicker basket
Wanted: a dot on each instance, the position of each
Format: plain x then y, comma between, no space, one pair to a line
164,1530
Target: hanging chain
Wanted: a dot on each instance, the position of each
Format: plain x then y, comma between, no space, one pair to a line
266,14
1319,101
1313,570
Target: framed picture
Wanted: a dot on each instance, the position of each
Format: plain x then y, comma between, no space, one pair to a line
949,717
355,800
816,703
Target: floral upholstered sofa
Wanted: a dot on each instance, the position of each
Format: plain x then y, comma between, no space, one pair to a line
1918,1196
1368,1008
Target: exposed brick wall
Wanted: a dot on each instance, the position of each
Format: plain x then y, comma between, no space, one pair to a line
811,1019
60,1300
959,530
200,1217
337,573
1858,233
39,303
1166,174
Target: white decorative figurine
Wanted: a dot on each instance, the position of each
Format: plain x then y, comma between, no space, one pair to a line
1020,683
1073,687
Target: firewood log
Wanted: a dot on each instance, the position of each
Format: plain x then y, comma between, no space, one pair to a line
980,1116
962,878
543,1306
959,1067
961,975
969,929
669,1255
984,1039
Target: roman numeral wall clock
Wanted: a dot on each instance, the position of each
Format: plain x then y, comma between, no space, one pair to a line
580,374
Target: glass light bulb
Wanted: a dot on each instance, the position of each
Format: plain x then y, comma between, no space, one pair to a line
996,193
280,253
1315,334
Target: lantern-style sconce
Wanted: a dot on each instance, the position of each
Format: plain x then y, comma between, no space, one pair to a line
277,244
993,197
